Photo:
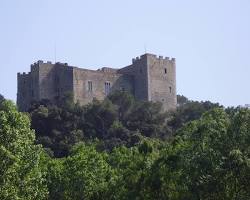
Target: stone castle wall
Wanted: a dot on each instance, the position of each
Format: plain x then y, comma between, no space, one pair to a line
155,79
138,69
82,77
162,81
148,78
24,91
44,81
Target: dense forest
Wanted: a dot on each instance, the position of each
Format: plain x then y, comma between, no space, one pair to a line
121,148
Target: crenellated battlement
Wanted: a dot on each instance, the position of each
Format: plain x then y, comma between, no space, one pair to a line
40,62
107,70
165,58
136,59
150,78
23,74
59,63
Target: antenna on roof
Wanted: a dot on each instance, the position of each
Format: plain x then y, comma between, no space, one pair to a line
55,52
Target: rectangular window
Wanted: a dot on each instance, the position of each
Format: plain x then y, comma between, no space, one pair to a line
56,79
170,89
90,86
107,88
122,89
165,70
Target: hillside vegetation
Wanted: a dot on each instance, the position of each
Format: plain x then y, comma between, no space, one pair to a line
124,149
118,120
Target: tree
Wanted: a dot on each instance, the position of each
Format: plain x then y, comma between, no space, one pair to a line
87,175
21,174
148,118
207,159
57,128
131,166
118,120
99,117
124,101
181,100
56,179
188,111
215,156
1,98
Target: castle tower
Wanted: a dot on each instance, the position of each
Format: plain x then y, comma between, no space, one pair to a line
44,81
154,79
162,81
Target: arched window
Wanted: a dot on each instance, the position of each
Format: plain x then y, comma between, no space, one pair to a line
90,86
107,87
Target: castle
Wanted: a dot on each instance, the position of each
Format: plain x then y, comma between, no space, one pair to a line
148,78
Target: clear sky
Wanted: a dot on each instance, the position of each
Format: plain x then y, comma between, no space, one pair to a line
209,39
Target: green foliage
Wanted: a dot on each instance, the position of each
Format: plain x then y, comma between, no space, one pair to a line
85,174
1,98
124,103
148,118
206,159
55,178
57,128
89,174
187,111
131,166
21,176
99,117
118,120
211,158
181,100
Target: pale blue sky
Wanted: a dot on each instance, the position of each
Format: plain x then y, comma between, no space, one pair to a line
209,39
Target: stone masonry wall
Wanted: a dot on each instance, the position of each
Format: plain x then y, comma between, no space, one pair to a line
81,77
148,78
162,83
63,79
46,81
23,88
139,71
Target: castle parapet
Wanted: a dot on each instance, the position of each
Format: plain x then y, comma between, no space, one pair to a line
134,60
23,75
108,70
148,54
59,63
166,58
